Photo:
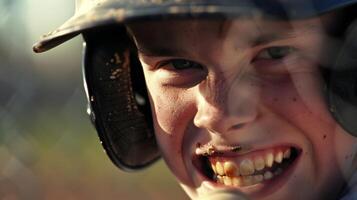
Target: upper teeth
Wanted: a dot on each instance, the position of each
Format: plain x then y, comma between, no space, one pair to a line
246,167
228,171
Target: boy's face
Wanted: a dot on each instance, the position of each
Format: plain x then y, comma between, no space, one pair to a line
246,97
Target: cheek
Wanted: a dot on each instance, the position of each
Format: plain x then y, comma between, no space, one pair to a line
171,107
301,102
173,110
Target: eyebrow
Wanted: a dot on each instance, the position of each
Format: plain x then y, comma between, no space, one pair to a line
261,40
172,51
275,36
271,37
163,51
268,38
157,51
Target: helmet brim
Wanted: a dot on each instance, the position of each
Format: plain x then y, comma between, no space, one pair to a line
118,12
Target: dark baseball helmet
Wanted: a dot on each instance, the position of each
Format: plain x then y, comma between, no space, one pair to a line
114,81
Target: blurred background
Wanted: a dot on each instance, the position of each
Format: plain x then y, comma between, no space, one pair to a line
48,148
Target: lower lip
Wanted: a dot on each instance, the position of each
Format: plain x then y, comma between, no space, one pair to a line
263,189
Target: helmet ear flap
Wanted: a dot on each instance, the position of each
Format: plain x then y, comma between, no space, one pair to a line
119,113
342,83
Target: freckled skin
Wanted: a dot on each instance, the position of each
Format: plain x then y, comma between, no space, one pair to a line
238,99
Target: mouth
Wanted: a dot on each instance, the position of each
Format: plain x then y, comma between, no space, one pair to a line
247,169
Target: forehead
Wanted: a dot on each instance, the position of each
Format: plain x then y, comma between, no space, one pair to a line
243,31
189,29
169,29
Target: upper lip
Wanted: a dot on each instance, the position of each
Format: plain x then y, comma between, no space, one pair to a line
211,149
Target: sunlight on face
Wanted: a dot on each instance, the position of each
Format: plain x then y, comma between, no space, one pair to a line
239,104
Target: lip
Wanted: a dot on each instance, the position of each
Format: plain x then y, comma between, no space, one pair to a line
260,190
223,150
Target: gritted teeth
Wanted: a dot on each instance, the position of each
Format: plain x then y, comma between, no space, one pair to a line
248,166
244,180
251,170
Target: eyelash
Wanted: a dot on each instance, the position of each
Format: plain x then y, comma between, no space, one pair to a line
183,62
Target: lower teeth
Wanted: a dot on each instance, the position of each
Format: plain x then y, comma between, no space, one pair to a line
245,180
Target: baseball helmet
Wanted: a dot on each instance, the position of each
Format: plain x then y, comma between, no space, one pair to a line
118,103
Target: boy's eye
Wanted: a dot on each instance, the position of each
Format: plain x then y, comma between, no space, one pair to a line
275,52
270,62
179,72
181,64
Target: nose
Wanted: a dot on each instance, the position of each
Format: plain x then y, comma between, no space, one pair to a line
223,106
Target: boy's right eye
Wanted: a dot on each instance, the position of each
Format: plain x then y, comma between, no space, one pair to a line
180,64
178,72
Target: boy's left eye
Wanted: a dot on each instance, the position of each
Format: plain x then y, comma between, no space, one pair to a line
275,52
